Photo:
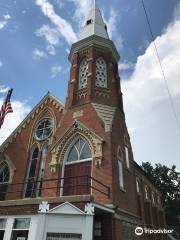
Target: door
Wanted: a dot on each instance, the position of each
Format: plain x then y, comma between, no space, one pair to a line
77,179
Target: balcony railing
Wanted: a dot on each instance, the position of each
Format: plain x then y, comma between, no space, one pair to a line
66,186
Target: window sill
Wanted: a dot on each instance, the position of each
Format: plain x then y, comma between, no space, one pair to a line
79,161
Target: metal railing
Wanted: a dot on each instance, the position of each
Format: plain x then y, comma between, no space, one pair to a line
72,185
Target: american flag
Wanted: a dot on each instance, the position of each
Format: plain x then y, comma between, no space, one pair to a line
6,107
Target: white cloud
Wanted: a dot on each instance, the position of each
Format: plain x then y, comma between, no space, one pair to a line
51,34
62,25
125,66
113,28
7,17
147,105
3,24
1,63
55,70
51,50
12,120
82,10
4,89
39,54
5,20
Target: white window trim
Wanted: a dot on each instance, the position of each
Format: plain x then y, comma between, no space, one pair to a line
78,161
37,124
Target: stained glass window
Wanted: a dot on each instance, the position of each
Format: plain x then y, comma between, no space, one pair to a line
42,169
101,73
44,129
83,74
79,151
30,185
4,173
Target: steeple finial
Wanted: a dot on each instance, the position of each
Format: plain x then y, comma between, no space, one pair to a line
94,24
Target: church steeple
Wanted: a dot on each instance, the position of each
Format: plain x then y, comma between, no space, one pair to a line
94,24
94,66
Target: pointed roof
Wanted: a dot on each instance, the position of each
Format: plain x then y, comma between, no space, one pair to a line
30,116
94,24
66,208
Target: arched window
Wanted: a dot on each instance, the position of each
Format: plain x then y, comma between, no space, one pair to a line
4,173
153,197
146,192
30,179
121,175
42,168
101,73
4,179
137,185
83,74
79,151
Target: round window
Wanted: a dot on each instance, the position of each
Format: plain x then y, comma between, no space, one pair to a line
44,129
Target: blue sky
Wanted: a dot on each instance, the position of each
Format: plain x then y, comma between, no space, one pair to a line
35,38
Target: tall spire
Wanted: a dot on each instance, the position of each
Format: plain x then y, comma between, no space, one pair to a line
94,24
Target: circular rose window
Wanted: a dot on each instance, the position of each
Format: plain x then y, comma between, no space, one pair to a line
44,129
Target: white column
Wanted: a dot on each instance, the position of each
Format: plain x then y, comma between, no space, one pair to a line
33,228
41,230
8,230
88,228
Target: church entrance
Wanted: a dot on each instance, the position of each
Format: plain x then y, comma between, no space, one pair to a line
77,179
77,168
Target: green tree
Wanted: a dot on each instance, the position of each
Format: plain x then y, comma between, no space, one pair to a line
167,180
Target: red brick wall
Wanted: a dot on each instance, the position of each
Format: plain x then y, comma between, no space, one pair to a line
18,150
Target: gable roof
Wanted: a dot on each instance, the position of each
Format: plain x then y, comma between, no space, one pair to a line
66,208
30,116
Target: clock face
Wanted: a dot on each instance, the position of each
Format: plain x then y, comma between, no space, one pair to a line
83,74
44,129
101,73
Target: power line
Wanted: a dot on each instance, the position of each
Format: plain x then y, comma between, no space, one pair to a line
161,67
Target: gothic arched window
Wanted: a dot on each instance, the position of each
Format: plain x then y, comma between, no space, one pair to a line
146,192
79,151
42,168
101,73
43,160
4,173
30,179
83,74
4,179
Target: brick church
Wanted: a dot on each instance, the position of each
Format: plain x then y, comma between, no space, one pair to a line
67,172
